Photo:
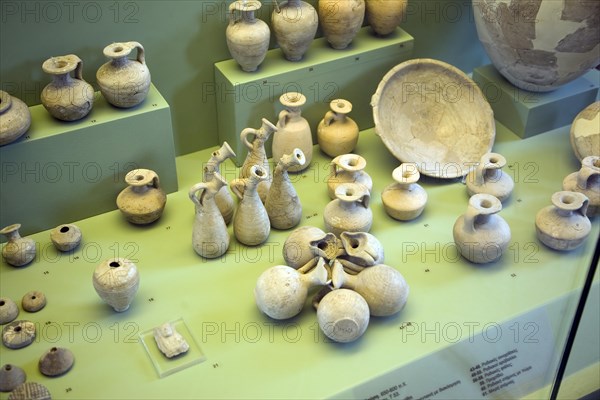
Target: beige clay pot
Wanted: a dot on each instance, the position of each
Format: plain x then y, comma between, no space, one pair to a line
350,212
247,37
404,200
144,200
337,133
15,118
348,168
341,21
587,182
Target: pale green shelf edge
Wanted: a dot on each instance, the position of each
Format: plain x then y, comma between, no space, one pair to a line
250,356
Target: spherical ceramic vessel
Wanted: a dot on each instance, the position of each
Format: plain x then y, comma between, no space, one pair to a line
295,24
564,225
307,243
489,178
348,168
350,212
15,118
384,16
480,235
343,315
67,98
432,114
143,201
539,45
586,181
283,204
66,237
123,82
116,281
18,251
341,21
281,291
404,200
247,37
337,133
293,131
585,132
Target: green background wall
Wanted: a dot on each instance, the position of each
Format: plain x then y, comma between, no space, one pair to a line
183,39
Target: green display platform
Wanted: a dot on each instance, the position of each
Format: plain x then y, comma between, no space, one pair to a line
61,172
461,320
529,113
324,74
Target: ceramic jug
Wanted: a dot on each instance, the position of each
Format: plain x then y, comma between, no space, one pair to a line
337,133
564,225
66,237
348,168
293,130
247,37
307,243
281,291
282,204
360,250
586,181
341,20
116,281
480,235
350,212
257,154
404,200
489,178
67,98
384,16
383,287
343,315
295,24
15,118
223,197
18,251
251,224
123,82
143,201
210,238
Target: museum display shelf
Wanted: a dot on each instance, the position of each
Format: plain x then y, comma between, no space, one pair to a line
324,74
467,331
64,171
529,113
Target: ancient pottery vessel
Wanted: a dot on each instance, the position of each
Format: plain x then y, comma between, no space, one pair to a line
295,24
348,168
67,98
247,37
223,197
66,237
337,133
586,181
257,154
8,310
56,361
251,224
489,178
144,200
361,249
123,82
17,251
341,21
564,225
282,204
307,243
116,281
210,238
350,212
11,376
343,315
293,130
539,46
384,16
383,287
281,291
15,118
404,200
480,235
585,132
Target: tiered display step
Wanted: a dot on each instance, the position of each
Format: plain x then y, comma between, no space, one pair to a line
61,172
530,113
323,75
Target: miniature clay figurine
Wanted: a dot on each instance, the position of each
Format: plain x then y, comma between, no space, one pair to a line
489,178
169,341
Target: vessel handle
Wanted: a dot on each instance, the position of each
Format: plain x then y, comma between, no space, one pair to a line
276,6
284,117
584,207
79,70
365,199
237,187
231,14
330,117
195,189
333,166
244,137
141,57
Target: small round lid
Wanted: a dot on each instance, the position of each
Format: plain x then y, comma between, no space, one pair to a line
117,50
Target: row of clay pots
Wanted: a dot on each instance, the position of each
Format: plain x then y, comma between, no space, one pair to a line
295,25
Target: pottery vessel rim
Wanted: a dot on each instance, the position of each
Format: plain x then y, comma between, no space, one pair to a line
5,101
244,6
591,162
292,99
140,177
493,161
120,49
350,192
404,174
569,201
350,162
485,203
60,65
395,140
298,154
259,173
340,106
268,124
10,229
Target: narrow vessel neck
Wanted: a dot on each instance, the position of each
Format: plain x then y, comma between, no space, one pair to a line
248,16
120,61
140,189
62,79
13,236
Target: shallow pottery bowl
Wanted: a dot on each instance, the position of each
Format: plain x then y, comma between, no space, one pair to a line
431,113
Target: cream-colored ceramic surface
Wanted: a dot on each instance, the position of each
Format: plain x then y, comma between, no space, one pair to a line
306,243
348,168
489,178
283,204
385,15
405,199
293,130
223,197
251,224
143,201
585,132
116,281
295,24
350,211
15,118
247,36
337,133
587,182
341,20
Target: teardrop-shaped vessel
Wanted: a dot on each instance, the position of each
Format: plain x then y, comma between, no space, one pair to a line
283,204
343,315
116,281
